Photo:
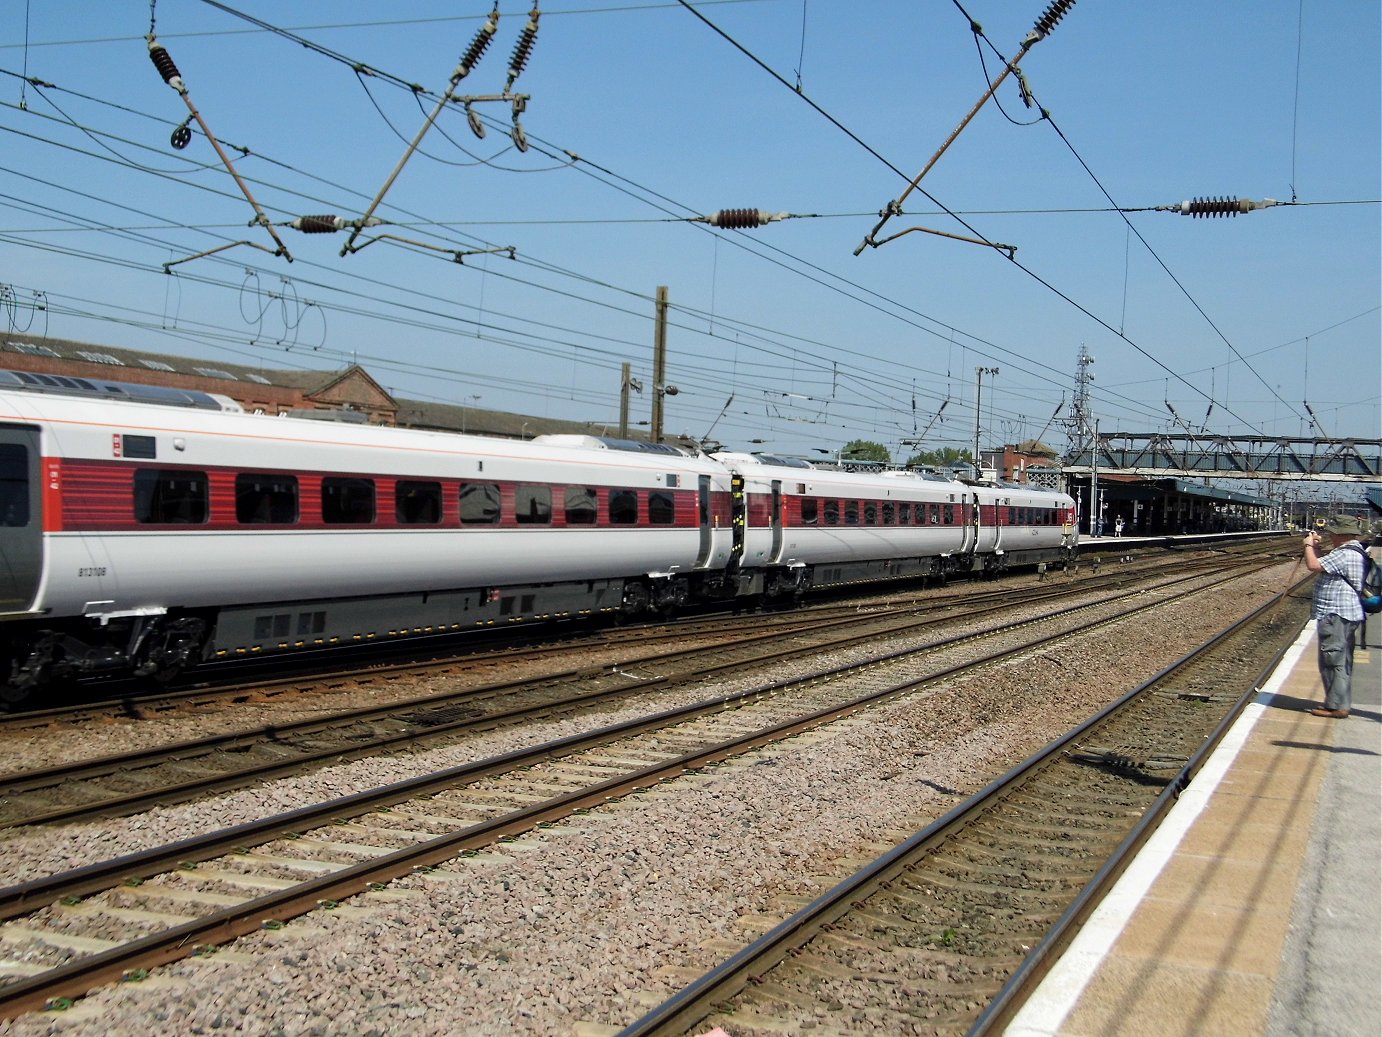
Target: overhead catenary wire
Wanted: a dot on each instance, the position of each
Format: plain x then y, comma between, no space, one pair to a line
555,268
1197,207
568,273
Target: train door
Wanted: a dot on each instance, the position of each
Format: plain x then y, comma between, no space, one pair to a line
21,518
703,518
776,555
739,519
970,541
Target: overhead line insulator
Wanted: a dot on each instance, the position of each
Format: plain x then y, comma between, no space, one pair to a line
318,224
741,219
163,61
479,45
1215,207
523,49
1051,16
330,224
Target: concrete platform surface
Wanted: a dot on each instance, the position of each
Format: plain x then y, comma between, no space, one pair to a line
1256,908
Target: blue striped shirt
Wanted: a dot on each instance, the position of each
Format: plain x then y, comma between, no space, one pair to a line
1336,589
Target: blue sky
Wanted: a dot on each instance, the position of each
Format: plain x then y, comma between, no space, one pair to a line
641,115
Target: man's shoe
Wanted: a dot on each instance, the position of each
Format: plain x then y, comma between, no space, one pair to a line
1335,714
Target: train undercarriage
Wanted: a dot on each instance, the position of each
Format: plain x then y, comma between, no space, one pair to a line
160,645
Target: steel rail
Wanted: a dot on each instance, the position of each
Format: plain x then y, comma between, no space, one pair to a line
77,977
689,1006
12,785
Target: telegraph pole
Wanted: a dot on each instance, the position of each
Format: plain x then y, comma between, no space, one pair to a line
659,358
626,382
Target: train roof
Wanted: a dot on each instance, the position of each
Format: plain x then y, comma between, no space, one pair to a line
634,446
93,389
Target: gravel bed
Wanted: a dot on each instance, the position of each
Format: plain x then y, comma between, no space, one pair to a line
592,921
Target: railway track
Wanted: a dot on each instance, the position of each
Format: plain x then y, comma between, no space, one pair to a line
66,933
170,773
947,932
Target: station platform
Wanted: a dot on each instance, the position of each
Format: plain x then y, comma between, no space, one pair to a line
1256,907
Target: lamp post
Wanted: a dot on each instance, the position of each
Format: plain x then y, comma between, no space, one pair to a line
474,400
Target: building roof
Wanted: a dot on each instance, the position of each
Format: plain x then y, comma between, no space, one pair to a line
1035,448
351,388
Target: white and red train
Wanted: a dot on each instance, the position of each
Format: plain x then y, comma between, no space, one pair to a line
145,529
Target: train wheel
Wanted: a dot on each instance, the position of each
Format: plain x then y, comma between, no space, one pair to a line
35,672
172,649
635,601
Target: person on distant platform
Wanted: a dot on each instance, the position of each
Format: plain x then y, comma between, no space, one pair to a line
1336,610
1118,527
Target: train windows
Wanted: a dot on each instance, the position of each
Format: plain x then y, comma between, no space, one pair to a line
14,484
266,498
417,503
904,513
347,500
851,513
533,505
832,513
809,511
870,513
581,506
889,513
623,507
935,514
949,514
662,509
165,496
480,503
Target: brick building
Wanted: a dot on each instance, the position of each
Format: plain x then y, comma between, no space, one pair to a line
264,390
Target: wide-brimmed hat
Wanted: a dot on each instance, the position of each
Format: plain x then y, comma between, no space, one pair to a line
1343,525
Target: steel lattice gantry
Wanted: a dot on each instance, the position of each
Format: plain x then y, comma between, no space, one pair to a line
1229,457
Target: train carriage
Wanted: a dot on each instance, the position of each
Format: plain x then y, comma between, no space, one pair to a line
814,526
152,536
146,529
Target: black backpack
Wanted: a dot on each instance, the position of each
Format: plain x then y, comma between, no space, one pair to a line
1370,590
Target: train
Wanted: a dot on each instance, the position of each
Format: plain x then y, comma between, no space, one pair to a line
145,530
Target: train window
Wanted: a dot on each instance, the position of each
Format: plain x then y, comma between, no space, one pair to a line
533,505
809,511
166,496
832,513
870,513
904,513
480,503
889,513
266,498
581,506
417,503
851,513
949,515
935,514
347,500
662,509
14,484
144,448
623,507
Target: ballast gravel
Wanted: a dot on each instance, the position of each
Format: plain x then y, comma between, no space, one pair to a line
580,928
